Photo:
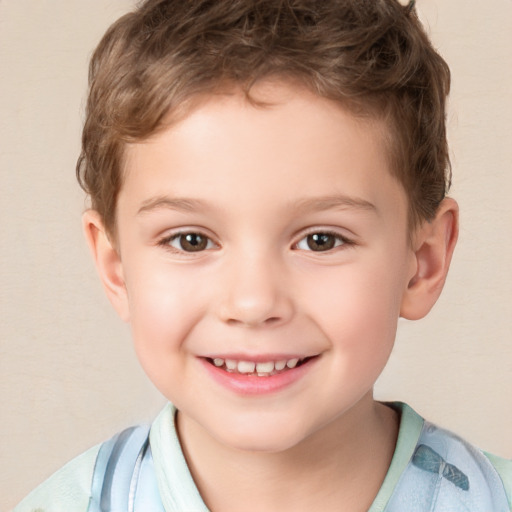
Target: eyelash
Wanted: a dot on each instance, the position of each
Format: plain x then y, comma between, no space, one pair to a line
166,241
339,241
344,241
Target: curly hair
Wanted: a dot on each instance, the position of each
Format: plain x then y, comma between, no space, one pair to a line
371,56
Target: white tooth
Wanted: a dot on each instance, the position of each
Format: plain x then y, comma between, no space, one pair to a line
292,363
218,361
263,374
280,365
230,364
246,367
265,367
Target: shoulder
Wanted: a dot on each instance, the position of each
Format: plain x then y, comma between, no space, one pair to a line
67,490
451,474
466,466
504,469
99,476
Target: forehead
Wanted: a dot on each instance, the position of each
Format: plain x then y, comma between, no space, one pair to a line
287,146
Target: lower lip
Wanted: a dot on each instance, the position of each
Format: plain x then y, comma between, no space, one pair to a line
254,385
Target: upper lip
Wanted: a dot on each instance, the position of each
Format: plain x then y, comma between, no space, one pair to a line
259,358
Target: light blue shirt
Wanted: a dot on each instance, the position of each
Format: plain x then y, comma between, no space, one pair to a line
432,470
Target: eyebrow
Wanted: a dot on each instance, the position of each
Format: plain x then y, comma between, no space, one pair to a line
172,203
338,201
313,204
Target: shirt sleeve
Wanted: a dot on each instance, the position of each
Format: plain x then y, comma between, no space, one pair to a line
67,490
504,469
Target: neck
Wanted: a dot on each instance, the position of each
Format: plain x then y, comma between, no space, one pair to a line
341,466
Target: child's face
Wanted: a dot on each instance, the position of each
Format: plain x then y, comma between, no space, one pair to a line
263,235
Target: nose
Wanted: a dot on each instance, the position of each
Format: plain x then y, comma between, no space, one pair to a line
254,293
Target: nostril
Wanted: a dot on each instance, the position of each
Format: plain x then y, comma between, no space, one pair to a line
268,321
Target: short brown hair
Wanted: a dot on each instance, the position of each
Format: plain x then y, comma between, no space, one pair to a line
373,56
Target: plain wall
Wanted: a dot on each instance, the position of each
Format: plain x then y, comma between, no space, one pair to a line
68,374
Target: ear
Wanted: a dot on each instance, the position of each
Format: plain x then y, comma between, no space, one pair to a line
108,262
434,243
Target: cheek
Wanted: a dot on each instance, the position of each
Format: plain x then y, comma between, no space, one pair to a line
164,306
357,306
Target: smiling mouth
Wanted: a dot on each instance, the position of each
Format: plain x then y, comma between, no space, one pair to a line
259,369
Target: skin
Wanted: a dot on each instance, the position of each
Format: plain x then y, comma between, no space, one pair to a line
256,183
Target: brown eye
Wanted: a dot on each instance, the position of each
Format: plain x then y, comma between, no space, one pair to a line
320,242
190,242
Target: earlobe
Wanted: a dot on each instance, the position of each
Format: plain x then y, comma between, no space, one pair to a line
108,262
434,245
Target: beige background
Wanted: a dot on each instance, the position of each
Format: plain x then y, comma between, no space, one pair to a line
68,376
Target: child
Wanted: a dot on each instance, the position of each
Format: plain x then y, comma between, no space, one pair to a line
268,183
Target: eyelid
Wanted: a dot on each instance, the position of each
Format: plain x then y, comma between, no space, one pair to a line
165,241
325,231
